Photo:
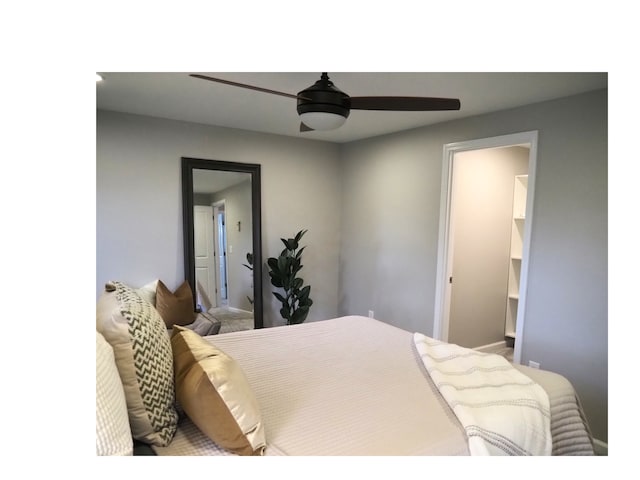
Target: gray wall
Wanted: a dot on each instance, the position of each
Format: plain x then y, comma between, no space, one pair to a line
139,212
391,201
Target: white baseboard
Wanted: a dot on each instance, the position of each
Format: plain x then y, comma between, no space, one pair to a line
491,347
238,310
601,448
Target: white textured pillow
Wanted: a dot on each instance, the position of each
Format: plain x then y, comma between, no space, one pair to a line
143,355
113,435
148,292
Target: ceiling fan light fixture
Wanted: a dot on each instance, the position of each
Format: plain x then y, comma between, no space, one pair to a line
322,106
322,120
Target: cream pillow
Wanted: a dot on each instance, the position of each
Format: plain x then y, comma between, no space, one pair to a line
148,292
142,350
113,435
215,394
175,308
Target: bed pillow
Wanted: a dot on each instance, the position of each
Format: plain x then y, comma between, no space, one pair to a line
215,394
113,434
148,292
142,350
175,308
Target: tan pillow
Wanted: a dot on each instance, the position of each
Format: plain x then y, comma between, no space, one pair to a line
175,308
215,394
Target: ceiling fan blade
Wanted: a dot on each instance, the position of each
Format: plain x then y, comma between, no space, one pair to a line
405,104
304,128
242,85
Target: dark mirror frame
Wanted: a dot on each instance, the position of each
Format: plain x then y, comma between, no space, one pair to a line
188,165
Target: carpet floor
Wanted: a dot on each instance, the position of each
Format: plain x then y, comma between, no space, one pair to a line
231,320
506,352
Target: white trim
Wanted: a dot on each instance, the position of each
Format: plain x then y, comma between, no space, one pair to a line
443,292
601,448
491,346
216,208
239,310
524,266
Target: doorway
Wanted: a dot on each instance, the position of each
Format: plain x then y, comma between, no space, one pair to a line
474,257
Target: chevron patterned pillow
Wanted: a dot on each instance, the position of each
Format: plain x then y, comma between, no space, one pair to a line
143,355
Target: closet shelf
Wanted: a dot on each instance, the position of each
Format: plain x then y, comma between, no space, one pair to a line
518,209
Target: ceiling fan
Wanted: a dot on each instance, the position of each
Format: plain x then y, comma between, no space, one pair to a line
323,106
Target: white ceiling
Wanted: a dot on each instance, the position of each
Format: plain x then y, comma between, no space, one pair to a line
176,95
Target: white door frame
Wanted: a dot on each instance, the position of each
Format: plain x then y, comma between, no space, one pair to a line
445,249
216,207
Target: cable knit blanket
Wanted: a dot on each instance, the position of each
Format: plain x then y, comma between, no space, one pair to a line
502,410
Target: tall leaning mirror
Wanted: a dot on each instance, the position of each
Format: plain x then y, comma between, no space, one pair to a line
222,237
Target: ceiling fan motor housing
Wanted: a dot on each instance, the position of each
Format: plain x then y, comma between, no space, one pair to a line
323,96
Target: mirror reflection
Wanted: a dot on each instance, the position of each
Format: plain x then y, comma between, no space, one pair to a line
222,263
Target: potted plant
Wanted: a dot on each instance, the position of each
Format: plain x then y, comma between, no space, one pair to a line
283,271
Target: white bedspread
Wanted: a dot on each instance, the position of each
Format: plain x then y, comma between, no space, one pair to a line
356,386
488,394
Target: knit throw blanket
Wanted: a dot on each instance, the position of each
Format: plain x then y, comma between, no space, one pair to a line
502,410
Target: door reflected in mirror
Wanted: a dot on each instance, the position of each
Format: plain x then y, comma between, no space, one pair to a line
222,241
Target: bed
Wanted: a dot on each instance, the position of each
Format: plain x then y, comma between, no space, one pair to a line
354,386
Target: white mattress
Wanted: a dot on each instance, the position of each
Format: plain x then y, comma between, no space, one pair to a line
349,386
